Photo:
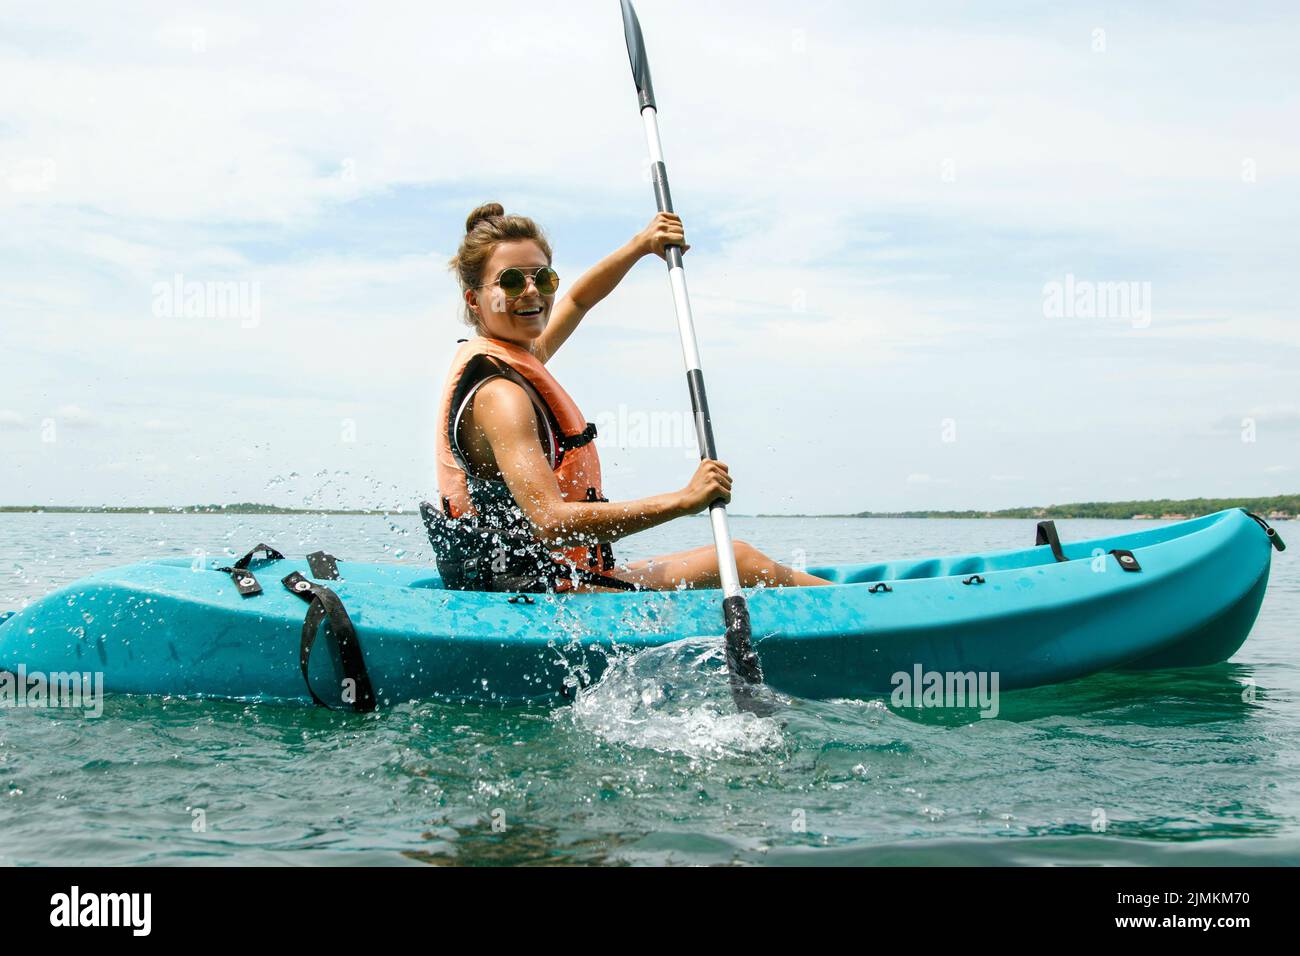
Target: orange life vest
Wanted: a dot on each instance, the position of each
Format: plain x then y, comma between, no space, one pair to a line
567,437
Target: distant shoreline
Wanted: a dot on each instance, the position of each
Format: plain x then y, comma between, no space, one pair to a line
1280,507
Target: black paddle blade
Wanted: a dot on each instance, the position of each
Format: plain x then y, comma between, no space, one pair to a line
742,660
636,53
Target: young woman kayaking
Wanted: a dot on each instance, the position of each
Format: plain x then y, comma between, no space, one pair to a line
518,474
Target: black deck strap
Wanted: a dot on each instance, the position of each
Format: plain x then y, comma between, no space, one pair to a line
270,552
245,581
1274,538
324,605
1126,560
1047,535
324,566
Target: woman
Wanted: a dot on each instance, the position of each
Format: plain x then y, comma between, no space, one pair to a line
518,473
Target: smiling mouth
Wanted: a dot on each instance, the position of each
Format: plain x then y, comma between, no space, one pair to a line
529,313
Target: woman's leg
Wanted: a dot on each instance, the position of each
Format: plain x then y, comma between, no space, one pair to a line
699,568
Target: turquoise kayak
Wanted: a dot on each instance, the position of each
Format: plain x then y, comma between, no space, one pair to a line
297,629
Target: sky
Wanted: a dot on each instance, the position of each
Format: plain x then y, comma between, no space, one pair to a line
944,255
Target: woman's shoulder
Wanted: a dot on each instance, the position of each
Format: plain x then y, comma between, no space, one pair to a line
500,396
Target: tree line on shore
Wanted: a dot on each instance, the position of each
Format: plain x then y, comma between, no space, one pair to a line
1283,505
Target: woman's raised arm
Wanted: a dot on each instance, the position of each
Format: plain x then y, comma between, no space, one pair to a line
665,229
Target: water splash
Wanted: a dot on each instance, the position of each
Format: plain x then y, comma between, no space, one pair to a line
674,699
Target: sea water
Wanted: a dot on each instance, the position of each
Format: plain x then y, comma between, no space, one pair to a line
653,764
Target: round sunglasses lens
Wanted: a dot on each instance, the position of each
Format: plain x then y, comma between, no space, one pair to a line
512,282
547,281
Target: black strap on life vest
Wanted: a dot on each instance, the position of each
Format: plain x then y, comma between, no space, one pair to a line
323,605
1047,535
584,437
595,578
244,579
546,579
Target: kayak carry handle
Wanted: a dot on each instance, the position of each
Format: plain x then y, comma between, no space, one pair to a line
323,605
880,588
1274,538
1046,534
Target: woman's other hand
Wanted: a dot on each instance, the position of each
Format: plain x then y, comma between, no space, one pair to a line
710,482
665,230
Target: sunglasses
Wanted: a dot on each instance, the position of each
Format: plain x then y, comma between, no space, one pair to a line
513,282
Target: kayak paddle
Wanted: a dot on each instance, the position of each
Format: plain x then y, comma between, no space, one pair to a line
742,662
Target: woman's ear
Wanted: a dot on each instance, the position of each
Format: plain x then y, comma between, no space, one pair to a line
471,302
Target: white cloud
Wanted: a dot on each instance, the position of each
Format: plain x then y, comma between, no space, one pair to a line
159,425
74,416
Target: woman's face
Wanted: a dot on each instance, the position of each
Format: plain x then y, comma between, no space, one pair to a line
522,318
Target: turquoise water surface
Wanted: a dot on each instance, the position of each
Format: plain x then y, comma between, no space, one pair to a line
652,764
